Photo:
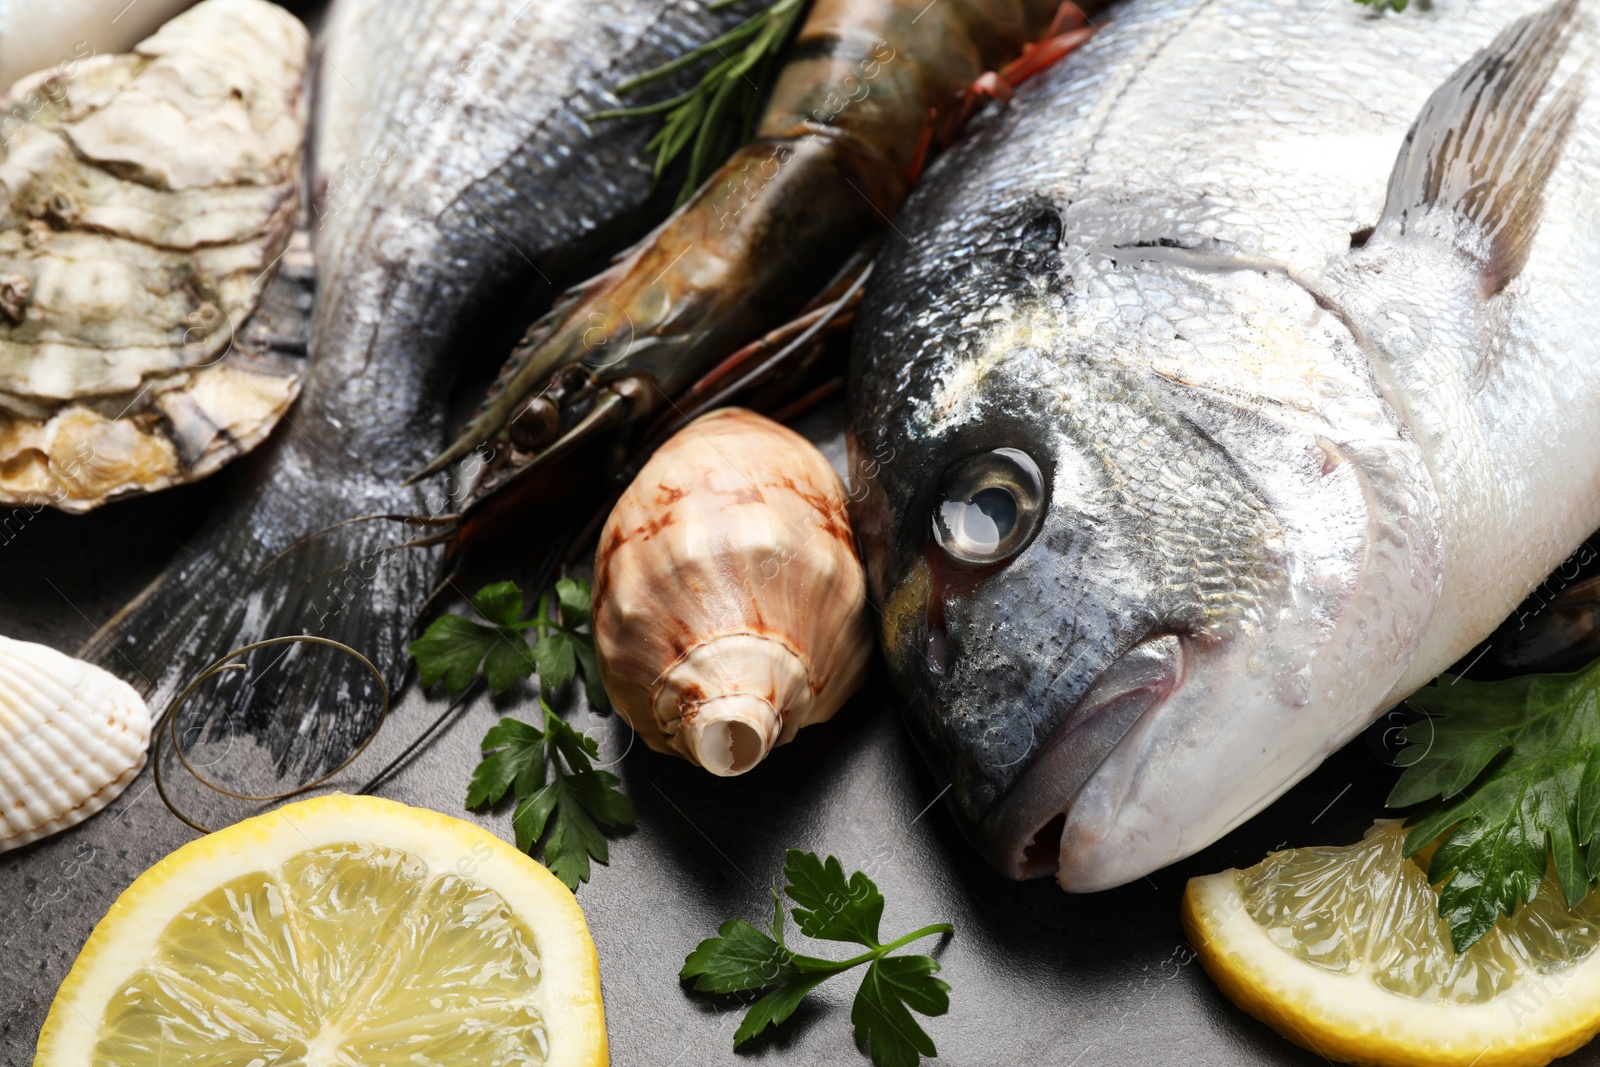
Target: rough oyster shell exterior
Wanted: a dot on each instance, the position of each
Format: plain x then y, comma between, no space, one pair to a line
147,199
72,737
729,603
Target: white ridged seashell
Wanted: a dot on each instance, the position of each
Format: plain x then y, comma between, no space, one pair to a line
730,608
72,737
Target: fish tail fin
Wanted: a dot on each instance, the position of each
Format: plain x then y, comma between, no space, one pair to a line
1482,151
234,584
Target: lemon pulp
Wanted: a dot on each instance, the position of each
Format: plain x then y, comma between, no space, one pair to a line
334,959
1342,950
401,937
1366,909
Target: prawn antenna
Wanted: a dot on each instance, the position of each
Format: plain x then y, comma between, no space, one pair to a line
414,520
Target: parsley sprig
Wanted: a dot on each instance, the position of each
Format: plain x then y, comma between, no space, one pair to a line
717,114
562,799
743,958
453,647
1514,767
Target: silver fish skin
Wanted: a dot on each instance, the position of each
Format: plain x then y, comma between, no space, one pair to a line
454,181
1221,391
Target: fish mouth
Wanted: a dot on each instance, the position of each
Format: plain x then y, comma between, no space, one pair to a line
1022,834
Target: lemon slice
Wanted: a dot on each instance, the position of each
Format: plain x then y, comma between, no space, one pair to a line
1342,951
336,932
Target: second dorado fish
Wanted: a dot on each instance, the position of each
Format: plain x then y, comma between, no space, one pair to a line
1229,401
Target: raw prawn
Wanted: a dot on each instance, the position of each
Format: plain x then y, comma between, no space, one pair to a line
867,90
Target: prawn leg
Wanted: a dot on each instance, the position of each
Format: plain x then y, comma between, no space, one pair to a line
1068,30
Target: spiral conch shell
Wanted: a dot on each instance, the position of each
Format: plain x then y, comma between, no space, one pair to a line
147,203
72,737
729,603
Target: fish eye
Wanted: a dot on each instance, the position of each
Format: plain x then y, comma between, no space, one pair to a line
990,507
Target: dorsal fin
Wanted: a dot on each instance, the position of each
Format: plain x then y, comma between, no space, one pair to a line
1477,151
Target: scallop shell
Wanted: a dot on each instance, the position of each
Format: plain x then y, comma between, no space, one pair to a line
71,739
148,200
729,604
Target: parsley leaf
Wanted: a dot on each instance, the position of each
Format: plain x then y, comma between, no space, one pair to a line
740,957
508,659
514,755
776,1006
556,659
454,648
881,1013
576,601
1511,771
562,800
831,907
500,603
451,649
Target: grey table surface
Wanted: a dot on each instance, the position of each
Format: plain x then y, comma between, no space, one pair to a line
1038,976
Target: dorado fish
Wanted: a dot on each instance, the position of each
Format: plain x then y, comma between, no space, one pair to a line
1218,393
452,167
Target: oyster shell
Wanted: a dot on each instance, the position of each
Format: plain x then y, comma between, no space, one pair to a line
72,737
147,199
729,604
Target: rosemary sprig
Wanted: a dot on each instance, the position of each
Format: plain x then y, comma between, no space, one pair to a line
718,113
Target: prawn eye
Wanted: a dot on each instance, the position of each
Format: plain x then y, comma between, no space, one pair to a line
989,507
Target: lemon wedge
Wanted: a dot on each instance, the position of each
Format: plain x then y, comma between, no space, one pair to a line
341,931
1342,951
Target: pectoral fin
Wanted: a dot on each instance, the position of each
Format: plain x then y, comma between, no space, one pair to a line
1480,153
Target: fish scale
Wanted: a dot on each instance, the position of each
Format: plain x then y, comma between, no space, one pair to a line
1309,424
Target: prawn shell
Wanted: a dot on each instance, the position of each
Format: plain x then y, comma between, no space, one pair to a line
729,603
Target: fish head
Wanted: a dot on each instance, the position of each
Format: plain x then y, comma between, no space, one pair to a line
1129,589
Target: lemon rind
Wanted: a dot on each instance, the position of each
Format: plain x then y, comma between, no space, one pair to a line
568,994
1347,1018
